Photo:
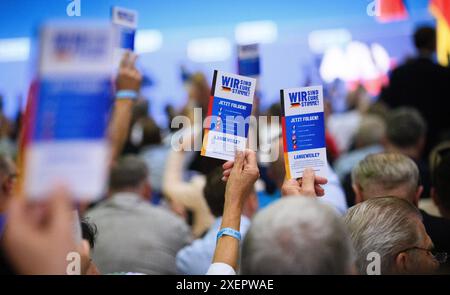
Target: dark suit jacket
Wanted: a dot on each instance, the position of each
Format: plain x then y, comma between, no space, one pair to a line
424,85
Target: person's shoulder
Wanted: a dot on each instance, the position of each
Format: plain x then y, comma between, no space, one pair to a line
98,209
435,221
165,217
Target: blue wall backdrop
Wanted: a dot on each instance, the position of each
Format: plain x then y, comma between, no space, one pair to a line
287,62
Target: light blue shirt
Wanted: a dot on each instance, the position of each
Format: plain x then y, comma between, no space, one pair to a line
155,156
334,194
346,162
196,258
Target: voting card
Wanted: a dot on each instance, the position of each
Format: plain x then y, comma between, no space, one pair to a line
229,112
303,131
248,60
66,143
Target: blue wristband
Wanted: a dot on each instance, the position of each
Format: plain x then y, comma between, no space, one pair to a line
126,94
229,232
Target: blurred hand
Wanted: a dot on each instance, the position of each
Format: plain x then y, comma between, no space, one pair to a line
309,185
241,175
128,77
40,245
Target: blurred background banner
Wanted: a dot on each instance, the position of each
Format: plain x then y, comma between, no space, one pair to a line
299,42
441,10
391,10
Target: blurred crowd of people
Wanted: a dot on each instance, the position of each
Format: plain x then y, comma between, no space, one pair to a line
386,197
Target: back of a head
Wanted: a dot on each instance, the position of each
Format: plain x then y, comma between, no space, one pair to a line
425,38
297,235
140,109
370,132
441,181
385,226
151,133
128,173
384,174
214,191
89,232
405,127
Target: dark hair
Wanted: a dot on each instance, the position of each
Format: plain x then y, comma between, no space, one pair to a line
425,38
151,132
405,126
88,231
129,172
442,180
214,192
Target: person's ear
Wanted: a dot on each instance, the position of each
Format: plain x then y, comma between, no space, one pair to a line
358,193
8,187
419,192
401,263
434,196
384,141
421,144
147,190
4,187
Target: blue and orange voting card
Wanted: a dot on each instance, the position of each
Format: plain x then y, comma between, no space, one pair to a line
303,131
230,108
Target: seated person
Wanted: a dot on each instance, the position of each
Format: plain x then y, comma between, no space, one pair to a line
389,238
296,235
392,174
134,235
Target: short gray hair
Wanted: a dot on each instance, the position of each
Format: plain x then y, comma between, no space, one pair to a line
385,225
371,131
129,172
385,171
405,126
297,235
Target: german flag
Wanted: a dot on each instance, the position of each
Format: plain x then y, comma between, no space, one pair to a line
226,89
441,11
391,10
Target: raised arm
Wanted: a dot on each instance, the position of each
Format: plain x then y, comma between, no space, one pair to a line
242,177
128,84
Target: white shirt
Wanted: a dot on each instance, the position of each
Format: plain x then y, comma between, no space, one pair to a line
220,269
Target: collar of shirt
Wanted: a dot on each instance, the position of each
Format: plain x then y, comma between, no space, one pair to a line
125,199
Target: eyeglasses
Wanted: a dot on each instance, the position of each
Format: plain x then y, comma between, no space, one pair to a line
440,257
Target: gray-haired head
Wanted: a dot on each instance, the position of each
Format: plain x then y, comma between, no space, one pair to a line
385,226
129,173
371,131
405,127
386,174
297,235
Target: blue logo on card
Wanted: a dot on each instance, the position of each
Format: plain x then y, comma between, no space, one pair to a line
304,98
236,86
125,16
67,45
